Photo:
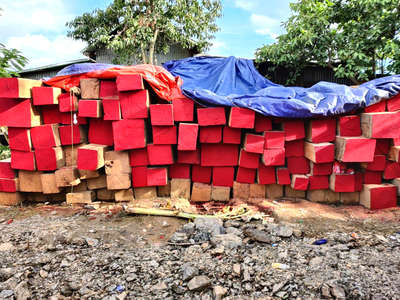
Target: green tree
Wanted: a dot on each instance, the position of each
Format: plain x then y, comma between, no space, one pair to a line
358,39
140,28
11,61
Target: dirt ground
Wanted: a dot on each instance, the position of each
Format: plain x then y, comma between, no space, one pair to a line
58,252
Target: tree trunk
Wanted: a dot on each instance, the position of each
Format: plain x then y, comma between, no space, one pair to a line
144,58
152,47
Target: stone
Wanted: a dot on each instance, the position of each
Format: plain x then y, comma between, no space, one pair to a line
199,283
228,241
219,292
214,226
188,271
6,247
283,231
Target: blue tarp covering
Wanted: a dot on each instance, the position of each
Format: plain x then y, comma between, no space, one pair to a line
236,82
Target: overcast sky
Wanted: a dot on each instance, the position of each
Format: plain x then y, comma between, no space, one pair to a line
37,27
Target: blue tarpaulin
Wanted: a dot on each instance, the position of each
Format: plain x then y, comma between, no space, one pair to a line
236,82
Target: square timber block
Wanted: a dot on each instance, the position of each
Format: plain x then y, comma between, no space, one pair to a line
90,88
241,190
320,169
231,135
157,176
381,125
91,157
210,134
17,87
111,109
90,108
275,191
129,134
138,157
179,171
49,159
274,139
183,109
161,115
378,196
394,153
14,113
139,177
299,182
105,195
248,160
11,199
294,130
85,197
253,143
262,123
51,114
164,135
211,155
180,188
129,82
201,192
45,95
30,181
187,137
265,175
67,176
118,181
201,174
72,134
378,164
97,183
5,169
298,165
274,157
292,193
223,176
392,170
211,116
189,157
321,131
283,176
9,185
377,107
145,193
160,155
372,177
349,126
220,193
124,195
257,191
241,118
71,154
294,148
350,198
393,104
355,149
49,184
318,182
45,136
135,105
342,182
244,175
108,89
319,153
67,102
23,160
323,196
19,139
117,162
87,174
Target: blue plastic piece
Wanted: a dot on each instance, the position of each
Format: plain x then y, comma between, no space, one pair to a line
83,68
236,82
320,242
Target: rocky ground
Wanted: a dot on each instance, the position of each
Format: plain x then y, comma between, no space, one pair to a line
71,254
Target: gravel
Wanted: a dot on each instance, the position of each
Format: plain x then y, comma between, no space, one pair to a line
67,257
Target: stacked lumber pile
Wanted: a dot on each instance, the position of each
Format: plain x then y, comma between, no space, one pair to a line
116,141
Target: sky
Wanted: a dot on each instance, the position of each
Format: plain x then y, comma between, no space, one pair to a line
37,27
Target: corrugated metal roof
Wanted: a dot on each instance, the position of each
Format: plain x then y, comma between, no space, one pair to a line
57,65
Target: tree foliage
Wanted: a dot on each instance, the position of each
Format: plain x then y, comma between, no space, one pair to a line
139,28
358,39
11,61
